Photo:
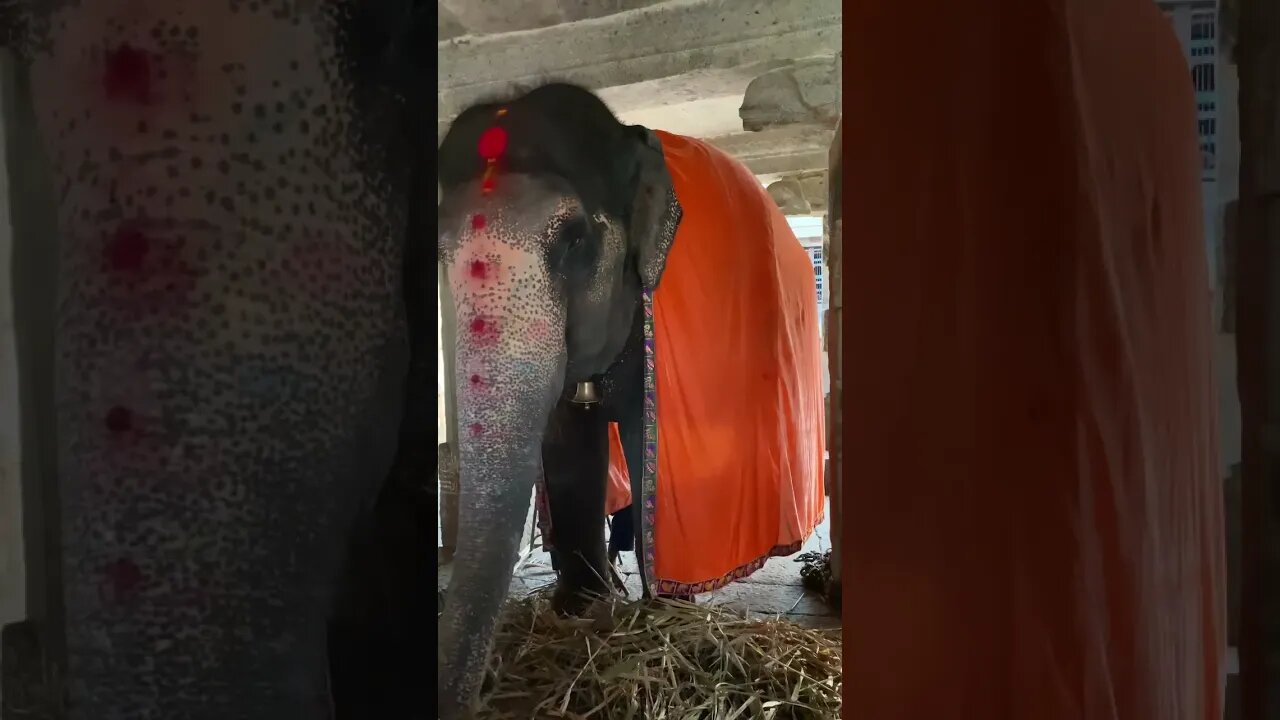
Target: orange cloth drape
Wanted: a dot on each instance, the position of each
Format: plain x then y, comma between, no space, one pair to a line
738,377
1032,488
618,493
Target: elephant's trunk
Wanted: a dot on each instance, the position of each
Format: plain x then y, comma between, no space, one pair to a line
510,371
230,344
494,503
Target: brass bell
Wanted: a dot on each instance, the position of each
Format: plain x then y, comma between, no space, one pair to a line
585,394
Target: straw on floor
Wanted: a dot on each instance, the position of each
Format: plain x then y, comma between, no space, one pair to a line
656,660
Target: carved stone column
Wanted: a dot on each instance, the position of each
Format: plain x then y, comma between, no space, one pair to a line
833,252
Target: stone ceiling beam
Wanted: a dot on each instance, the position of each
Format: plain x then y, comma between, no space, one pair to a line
659,41
783,164
448,24
693,86
496,16
779,150
784,140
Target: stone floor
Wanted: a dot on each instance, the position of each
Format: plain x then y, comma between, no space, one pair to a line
774,589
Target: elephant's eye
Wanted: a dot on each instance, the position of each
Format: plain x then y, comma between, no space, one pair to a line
570,254
573,232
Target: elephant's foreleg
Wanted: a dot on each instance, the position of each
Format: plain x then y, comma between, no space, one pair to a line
575,461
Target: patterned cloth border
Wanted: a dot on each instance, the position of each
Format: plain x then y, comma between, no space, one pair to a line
649,477
671,587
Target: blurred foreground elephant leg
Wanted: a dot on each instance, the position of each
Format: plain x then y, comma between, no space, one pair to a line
379,635
378,641
575,460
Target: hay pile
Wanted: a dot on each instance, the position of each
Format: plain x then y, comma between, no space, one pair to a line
652,660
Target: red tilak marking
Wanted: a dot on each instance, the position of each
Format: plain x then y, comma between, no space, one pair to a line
493,142
127,75
486,186
119,419
123,576
483,332
475,379
479,269
127,249
477,222
477,429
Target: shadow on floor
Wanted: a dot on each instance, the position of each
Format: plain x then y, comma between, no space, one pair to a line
774,589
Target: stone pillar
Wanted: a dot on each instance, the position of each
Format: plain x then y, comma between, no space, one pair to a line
447,454
1257,331
833,252
32,650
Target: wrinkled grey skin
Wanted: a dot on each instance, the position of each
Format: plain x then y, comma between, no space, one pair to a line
547,290
227,400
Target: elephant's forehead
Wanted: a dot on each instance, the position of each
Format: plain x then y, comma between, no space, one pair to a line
521,212
233,157
211,125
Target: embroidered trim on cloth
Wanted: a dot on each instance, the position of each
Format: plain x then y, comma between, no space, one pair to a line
649,475
671,587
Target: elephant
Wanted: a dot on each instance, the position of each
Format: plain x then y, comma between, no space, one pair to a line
556,221
227,316
558,302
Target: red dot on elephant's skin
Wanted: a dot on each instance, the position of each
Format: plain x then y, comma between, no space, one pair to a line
119,419
127,75
475,379
477,222
124,576
479,269
478,325
477,429
493,142
127,249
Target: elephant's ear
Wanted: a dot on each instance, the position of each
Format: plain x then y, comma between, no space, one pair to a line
655,211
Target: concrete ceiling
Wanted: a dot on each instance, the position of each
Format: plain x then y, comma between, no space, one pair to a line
757,78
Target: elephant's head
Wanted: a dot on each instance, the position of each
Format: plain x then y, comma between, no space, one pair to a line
554,217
